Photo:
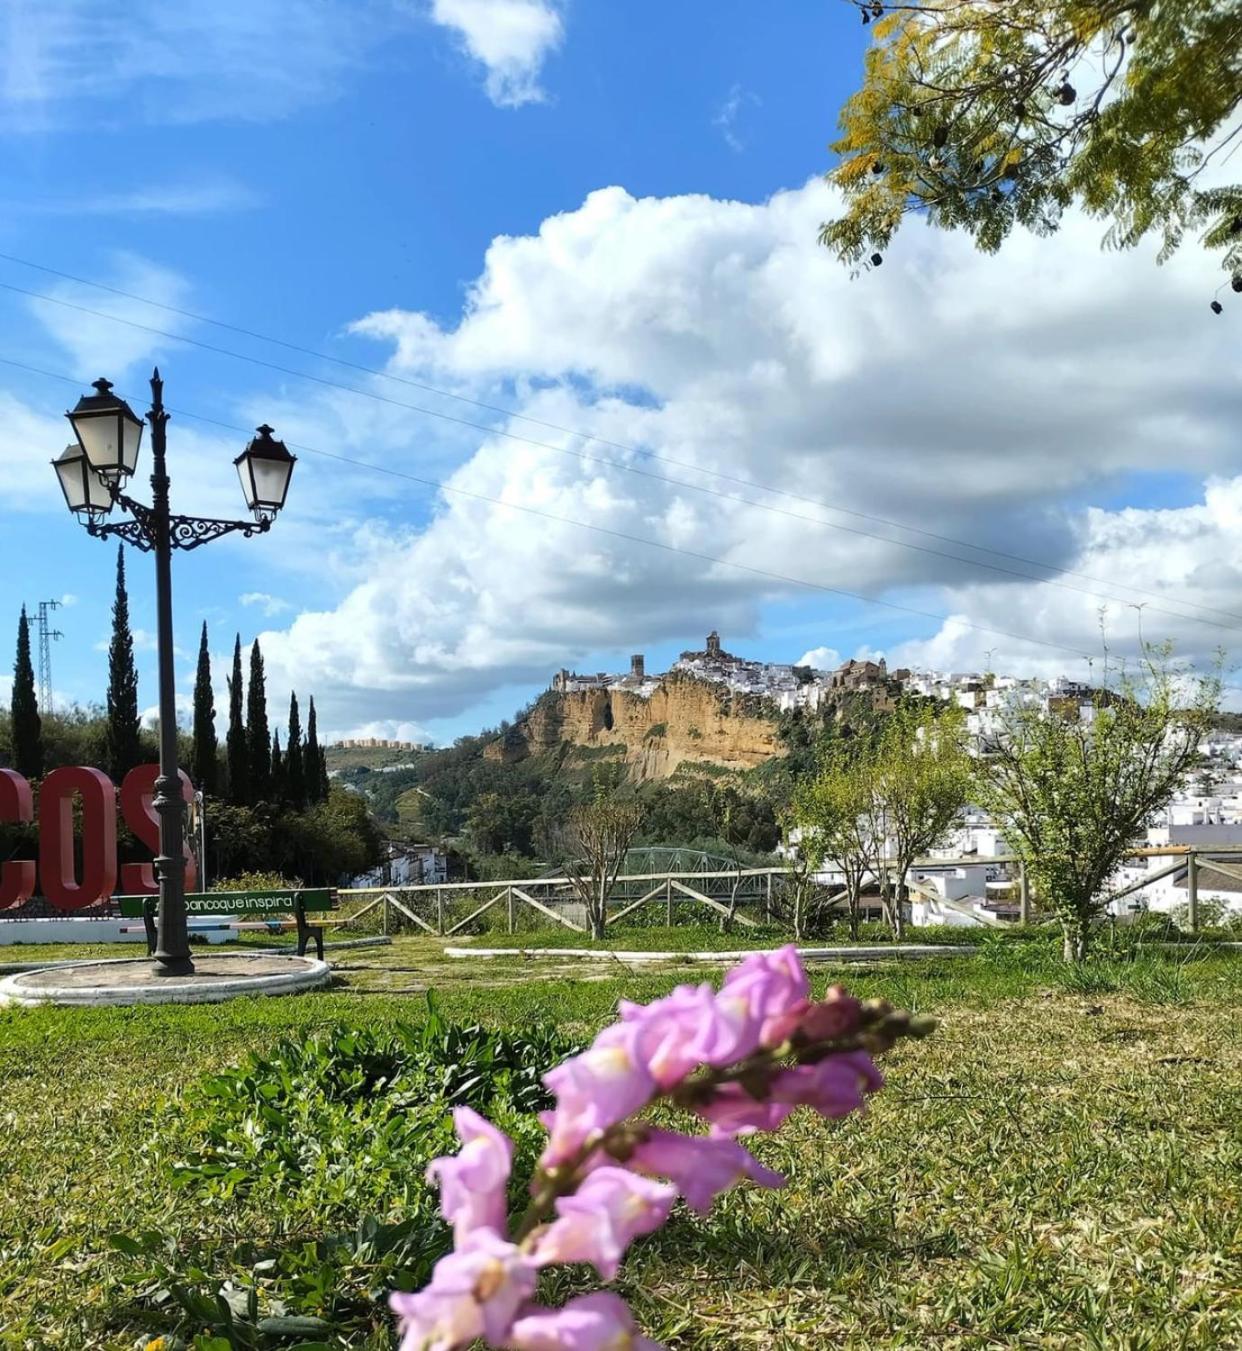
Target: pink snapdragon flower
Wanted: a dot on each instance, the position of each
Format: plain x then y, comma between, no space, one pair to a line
673,1031
595,1090
834,1086
775,989
699,1166
596,1224
475,1291
744,1059
472,1182
598,1322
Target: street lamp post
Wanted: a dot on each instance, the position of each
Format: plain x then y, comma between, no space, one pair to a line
92,475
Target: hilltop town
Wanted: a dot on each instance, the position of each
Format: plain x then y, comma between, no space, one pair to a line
1213,799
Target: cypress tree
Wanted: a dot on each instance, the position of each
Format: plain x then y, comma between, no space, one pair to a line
295,779
258,734
314,771
279,774
204,767
121,738
27,726
238,758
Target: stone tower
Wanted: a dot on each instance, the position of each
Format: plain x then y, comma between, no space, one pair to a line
713,644
638,666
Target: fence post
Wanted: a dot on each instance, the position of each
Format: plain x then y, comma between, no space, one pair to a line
439,912
668,901
1024,894
384,915
1192,890
509,898
767,901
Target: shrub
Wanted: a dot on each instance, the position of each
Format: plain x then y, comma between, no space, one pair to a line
328,1136
257,881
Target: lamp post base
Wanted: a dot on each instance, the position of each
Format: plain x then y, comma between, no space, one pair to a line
173,966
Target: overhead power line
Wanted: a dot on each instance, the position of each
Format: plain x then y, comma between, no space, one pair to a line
454,490
1055,569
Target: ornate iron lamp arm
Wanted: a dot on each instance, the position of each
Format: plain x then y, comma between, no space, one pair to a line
185,532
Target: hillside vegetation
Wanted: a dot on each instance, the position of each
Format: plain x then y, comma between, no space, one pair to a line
499,796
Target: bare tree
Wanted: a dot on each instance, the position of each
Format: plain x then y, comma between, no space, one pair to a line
802,901
831,809
920,778
1072,792
596,838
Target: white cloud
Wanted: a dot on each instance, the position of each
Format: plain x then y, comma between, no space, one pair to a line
983,398
205,195
29,441
149,717
97,343
269,605
388,730
144,641
511,40
1193,553
236,60
728,116
820,659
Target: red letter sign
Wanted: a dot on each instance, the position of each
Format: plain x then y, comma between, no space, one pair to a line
137,792
17,880
60,884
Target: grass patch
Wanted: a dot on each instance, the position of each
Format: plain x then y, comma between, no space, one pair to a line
1054,1168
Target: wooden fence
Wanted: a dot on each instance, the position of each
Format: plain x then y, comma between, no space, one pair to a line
750,895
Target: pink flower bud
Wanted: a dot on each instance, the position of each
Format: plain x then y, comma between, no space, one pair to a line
832,1019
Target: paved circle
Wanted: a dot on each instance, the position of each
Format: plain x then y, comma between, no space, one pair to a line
217,976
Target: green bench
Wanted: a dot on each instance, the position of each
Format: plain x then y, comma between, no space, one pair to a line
298,903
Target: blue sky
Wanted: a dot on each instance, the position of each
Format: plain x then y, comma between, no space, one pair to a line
602,217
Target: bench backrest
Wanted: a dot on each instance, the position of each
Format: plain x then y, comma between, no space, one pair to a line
241,902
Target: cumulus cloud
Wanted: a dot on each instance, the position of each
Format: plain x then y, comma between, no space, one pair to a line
820,659
977,398
510,39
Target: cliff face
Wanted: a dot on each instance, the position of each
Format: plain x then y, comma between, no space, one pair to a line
685,720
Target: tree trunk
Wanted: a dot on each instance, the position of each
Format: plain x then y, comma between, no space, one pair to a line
1076,936
599,910
900,892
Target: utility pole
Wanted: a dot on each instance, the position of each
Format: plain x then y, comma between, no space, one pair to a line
46,636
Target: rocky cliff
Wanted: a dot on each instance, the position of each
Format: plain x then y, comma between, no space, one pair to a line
683,721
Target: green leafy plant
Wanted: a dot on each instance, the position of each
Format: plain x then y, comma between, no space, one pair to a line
336,1128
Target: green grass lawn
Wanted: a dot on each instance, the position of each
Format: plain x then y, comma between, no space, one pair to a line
1060,1165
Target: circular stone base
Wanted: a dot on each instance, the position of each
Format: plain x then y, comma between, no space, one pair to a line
133,980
